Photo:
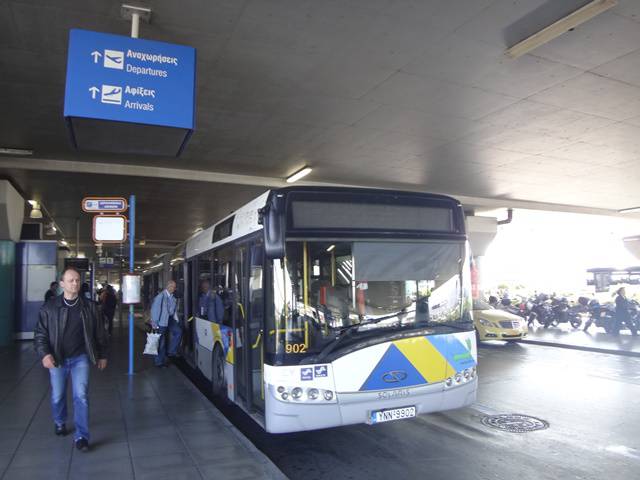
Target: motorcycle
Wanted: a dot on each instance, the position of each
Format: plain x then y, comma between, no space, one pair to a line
508,306
564,313
604,316
541,310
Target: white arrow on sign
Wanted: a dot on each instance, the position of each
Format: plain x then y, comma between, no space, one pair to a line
94,91
95,55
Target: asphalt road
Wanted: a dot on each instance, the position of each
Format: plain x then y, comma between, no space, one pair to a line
590,400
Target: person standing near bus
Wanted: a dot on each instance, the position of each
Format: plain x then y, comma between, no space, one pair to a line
70,334
164,319
210,304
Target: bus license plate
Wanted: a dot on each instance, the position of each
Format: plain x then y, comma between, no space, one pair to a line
380,416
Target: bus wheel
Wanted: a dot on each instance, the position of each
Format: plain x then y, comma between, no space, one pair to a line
218,383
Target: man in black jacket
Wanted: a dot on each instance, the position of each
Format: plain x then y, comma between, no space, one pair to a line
70,333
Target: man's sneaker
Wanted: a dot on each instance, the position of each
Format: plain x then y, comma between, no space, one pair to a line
61,430
82,444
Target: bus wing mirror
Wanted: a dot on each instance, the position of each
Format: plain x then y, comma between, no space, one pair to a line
273,220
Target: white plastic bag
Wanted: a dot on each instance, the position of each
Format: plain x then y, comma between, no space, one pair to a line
153,340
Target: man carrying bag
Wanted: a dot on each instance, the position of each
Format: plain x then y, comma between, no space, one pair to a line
164,319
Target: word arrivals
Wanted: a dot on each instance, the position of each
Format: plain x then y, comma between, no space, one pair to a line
148,107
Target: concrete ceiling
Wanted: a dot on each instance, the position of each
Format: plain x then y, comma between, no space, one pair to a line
168,211
407,94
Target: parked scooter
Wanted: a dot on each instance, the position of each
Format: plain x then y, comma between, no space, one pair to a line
542,311
564,313
508,306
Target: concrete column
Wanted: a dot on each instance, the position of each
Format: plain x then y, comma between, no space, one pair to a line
7,291
481,232
11,212
632,244
11,216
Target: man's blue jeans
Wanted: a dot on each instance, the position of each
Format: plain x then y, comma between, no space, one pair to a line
78,367
174,330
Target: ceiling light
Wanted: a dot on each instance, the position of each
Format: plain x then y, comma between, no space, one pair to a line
63,242
142,242
590,10
303,172
331,248
15,151
35,210
629,210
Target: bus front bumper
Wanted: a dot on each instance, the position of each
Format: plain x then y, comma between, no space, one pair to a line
356,407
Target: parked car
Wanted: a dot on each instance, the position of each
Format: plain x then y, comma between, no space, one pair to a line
496,324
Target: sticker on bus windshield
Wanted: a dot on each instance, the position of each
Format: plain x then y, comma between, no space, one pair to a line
306,374
320,371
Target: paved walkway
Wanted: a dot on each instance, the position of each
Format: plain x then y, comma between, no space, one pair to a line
154,425
596,340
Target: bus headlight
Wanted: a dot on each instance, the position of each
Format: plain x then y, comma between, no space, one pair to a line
328,395
281,389
448,382
284,395
458,377
313,393
467,374
296,393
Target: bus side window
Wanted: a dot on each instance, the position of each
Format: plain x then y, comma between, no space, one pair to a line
204,283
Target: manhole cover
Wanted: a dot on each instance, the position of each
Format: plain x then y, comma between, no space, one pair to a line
515,423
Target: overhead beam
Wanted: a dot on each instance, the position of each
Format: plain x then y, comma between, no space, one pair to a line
96,168
578,17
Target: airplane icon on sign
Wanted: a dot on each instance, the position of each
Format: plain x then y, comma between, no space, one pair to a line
114,59
111,94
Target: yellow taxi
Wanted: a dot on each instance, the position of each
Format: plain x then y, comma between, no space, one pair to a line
495,324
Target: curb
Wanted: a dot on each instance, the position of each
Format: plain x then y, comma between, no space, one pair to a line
625,353
270,468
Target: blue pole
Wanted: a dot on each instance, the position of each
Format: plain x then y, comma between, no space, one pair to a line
132,235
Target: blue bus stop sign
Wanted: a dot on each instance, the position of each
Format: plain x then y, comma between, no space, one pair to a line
129,95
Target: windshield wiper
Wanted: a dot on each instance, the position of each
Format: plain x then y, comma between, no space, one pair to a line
371,321
345,332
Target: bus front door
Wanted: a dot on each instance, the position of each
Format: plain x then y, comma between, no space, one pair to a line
248,327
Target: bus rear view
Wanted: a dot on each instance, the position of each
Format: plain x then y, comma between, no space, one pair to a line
368,312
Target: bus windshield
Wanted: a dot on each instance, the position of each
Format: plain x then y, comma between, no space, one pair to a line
370,289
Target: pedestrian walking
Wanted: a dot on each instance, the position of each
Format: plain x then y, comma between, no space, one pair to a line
164,318
52,292
69,336
108,301
623,315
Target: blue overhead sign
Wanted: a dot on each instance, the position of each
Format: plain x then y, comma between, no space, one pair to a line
123,79
95,204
